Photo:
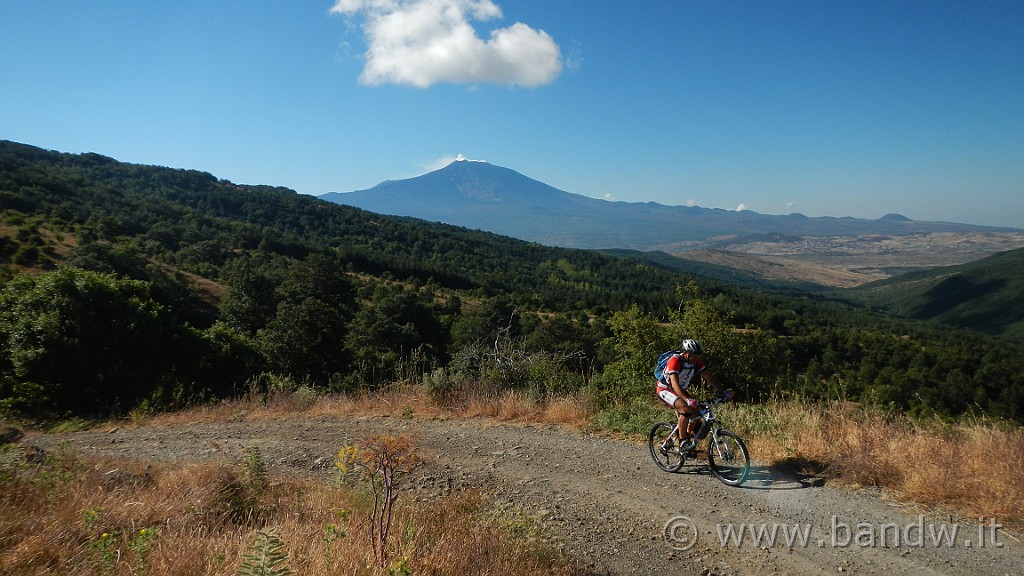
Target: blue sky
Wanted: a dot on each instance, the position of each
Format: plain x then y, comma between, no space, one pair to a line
838,108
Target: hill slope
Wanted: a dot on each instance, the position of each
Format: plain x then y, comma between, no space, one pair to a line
983,295
194,221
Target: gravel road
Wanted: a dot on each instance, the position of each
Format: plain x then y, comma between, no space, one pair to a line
608,504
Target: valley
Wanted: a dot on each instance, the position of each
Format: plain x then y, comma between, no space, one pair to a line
849,261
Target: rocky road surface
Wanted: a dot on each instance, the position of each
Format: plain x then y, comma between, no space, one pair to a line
606,502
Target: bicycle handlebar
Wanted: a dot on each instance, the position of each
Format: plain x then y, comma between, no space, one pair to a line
714,402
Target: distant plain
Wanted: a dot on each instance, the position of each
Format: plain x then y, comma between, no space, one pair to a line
848,261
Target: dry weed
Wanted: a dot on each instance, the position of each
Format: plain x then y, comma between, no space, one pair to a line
970,468
106,516
575,410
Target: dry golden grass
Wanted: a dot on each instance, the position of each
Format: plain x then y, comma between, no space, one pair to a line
74,516
574,410
399,400
975,468
972,468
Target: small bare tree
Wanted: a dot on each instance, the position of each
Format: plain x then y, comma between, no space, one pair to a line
385,461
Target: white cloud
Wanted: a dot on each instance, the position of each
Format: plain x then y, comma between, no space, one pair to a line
441,162
741,207
424,42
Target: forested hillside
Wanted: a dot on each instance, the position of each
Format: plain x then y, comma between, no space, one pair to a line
133,287
983,295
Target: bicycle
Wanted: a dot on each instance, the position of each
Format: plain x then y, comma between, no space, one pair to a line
727,453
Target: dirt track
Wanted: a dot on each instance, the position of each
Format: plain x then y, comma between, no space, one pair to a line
608,503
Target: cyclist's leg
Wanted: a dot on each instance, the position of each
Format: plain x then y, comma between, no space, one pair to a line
693,421
683,414
689,419
675,402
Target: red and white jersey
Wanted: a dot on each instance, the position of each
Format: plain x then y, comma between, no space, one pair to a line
686,371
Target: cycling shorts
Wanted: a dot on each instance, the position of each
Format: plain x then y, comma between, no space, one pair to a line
668,396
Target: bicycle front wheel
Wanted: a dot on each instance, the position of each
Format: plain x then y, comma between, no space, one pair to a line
664,448
728,458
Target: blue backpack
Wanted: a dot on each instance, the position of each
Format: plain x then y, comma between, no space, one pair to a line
659,368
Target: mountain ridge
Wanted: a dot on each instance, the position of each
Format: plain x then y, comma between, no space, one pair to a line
486,196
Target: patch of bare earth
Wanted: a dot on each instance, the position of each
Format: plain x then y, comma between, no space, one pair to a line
778,268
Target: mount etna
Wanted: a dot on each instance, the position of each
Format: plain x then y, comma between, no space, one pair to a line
818,250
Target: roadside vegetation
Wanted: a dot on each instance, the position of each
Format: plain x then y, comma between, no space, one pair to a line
61,513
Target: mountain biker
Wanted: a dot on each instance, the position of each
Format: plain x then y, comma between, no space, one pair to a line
672,390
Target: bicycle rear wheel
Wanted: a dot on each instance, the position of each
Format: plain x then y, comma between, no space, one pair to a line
728,458
665,454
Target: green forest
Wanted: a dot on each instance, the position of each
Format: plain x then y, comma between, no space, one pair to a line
127,287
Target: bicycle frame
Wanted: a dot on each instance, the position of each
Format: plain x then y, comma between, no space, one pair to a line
727,454
706,418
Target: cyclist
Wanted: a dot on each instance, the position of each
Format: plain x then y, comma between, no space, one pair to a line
672,389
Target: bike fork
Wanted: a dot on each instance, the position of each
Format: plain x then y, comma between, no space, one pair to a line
722,456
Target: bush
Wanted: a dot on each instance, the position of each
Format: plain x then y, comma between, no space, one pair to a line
633,418
79,342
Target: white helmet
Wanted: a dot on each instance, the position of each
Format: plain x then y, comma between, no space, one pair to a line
691,346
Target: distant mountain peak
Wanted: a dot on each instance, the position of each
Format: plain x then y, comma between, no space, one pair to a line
484,196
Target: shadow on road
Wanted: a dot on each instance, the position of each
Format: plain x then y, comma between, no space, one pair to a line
790,474
780,478
793,474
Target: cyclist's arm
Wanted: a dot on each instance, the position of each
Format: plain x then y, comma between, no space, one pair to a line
708,378
673,380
